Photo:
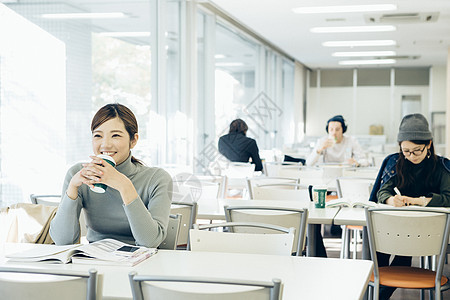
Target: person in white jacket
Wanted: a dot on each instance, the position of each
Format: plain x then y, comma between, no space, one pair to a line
337,147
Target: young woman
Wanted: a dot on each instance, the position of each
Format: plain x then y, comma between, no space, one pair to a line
135,207
421,177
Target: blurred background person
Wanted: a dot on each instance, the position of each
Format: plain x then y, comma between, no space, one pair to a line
237,147
337,147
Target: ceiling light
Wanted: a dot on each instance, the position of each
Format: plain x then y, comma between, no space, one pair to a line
219,56
113,15
343,8
367,62
353,29
229,64
359,43
125,34
364,53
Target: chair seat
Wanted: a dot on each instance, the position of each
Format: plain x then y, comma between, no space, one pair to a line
408,277
354,227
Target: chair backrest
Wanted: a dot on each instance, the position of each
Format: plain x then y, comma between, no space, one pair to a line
192,188
261,180
355,188
307,175
236,242
216,181
173,230
239,170
273,169
32,283
285,191
188,212
280,216
50,200
53,200
408,231
201,288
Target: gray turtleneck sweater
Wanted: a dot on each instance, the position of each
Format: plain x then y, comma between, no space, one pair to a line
142,222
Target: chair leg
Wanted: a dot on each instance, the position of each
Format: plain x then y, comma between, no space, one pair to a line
355,242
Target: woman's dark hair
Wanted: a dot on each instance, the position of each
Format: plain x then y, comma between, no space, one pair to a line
116,110
405,178
238,126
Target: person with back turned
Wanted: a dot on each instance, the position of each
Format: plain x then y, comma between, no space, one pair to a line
237,147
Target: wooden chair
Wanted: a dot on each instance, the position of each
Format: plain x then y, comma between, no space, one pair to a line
201,288
269,242
358,189
173,230
263,180
39,284
188,212
280,216
53,200
408,232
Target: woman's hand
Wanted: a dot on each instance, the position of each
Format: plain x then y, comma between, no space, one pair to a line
88,175
99,171
421,201
397,201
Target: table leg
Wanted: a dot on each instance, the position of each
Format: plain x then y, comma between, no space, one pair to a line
311,249
365,244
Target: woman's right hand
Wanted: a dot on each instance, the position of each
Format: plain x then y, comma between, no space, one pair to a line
396,201
87,175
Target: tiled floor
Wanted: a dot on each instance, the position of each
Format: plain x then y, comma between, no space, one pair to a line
333,246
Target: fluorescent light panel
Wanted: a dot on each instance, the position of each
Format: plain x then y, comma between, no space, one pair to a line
343,9
125,34
364,53
229,64
347,29
367,62
113,15
359,43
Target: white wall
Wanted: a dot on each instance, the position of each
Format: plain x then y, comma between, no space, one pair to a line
438,88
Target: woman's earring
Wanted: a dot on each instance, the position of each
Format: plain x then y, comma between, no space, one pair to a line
428,153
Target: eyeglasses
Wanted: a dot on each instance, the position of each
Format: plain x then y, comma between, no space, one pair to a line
415,152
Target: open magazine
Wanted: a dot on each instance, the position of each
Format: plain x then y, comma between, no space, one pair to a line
347,202
103,252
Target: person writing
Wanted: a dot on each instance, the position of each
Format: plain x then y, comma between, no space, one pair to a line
134,208
414,176
337,147
237,147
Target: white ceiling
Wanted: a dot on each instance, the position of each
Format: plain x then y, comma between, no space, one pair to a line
274,20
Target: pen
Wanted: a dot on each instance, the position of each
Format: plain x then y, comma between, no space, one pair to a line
397,191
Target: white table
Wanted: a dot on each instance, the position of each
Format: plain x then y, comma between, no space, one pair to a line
213,210
302,277
355,217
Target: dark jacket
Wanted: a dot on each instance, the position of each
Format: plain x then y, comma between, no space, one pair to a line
388,170
239,148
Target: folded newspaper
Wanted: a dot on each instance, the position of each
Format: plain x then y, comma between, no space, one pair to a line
103,252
